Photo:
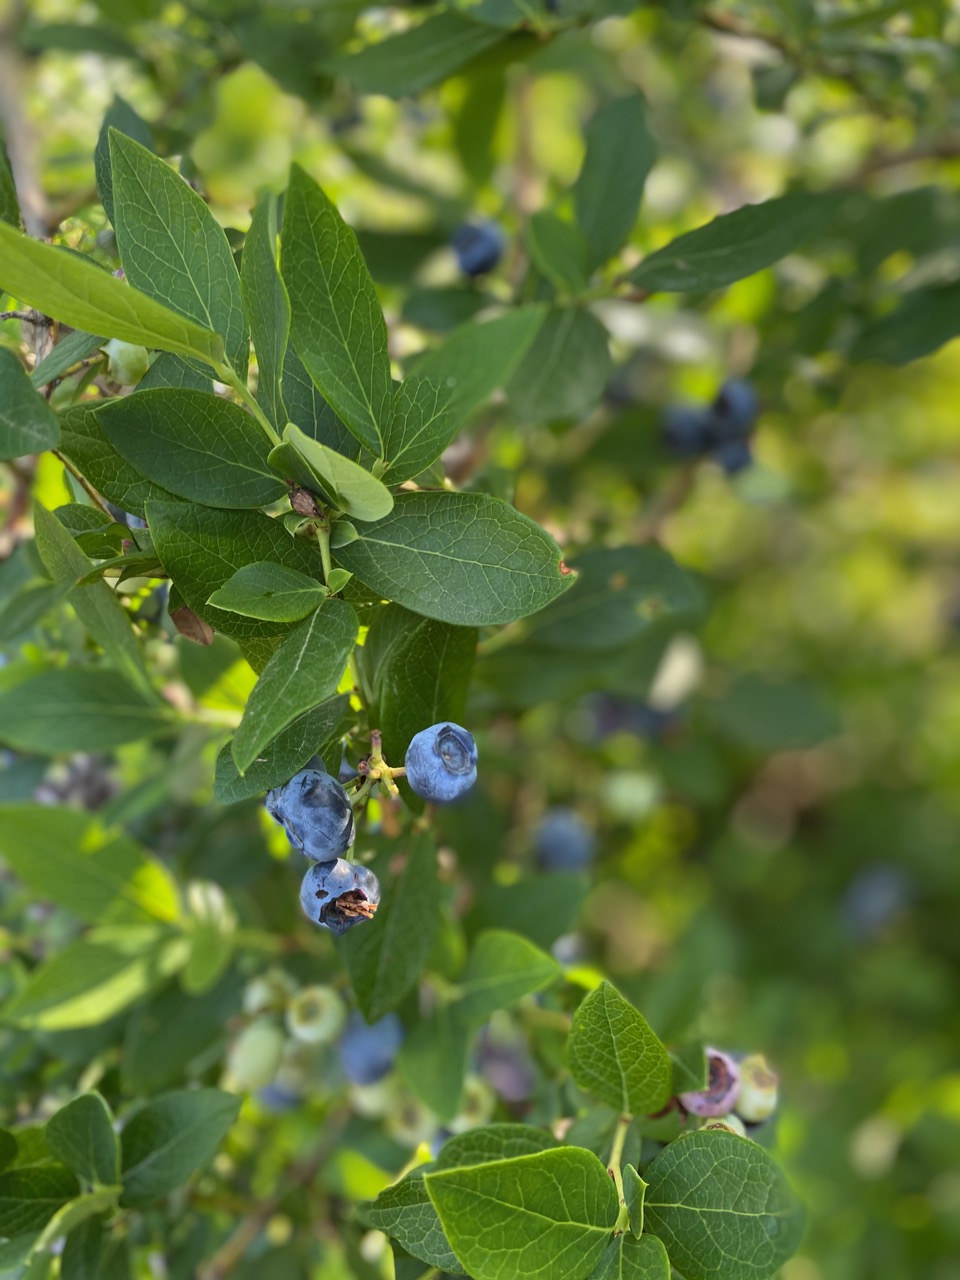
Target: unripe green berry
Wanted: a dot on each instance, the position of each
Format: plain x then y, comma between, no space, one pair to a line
758,1089
316,1015
268,991
128,363
411,1123
254,1056
731,1123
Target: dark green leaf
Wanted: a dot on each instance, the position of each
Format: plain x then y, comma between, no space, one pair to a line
9,205
122,117
422,426
518,1218
81,294
565,370
433,1060
81,1135
721,1205
79,709
502,967
316,732
22,610
80,1259
267,307
771,715
194,445
614,1055
735,245
30,1197
627,1258
69,351
338,327
349,487
920,325
607,194
464,558
558,250
270,591
85,444
172,248
307,408
385,962
173,371
416,59
170,1138
27,423
304,671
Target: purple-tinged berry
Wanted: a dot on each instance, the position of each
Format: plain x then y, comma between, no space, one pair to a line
368,1050
686,431
316,814
758,1089
441,763
563,841
339,894
478,247
723,1087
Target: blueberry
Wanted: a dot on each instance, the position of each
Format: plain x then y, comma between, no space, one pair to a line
758,1089
315,812
339,894
687,431
367,1050
442,762
563,841
723,1087
478,247
735,408
733,455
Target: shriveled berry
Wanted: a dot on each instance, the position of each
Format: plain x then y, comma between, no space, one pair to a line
339,894
316,814
723,1087
441,762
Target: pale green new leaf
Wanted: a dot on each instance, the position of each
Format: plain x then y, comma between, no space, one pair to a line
502,967
614,1055
77,292
81,1135
349,487
270,591
27,423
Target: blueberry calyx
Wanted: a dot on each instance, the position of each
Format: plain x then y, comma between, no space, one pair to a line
441,762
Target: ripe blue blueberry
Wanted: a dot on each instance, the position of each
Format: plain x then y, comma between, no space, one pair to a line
723,1087
367,1050
687,431
734,409
733,455
339,894
315,812
563,841
442,762
478,247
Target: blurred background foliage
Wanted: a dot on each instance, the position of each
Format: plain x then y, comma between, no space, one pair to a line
773,778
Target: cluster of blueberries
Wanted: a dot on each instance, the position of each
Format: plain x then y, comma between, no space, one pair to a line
720,430
738,1093
315,811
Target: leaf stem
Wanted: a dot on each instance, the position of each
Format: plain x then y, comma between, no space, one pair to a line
227,374
322,531
616,1159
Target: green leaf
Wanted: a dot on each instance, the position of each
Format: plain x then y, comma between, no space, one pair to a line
464,558
772,715
338,327
614,1055
79,293
316,732
416,59
69,858
721,1205
95,604
349,487
69,351
688,1065
307,408
493,1142
607,193
558,250
9,204
270,591
122,117
81,1136
627,1258
620,593
194,445
85,444
502,967
405,1212
172,371
735,245
634,1192
168,1139
27,423
30,1197
384,963
565,370
422,426
920,325
80,1259
535,1215
88,982
172,247
201,548
22,610
77,709
419,671
267,307
304,671
479,357
433,1060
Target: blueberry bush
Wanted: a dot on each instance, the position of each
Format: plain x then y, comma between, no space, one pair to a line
479,676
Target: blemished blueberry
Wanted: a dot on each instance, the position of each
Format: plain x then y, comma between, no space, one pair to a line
687,431
563,841
339,894
733,455
367,1050
723,1087
315,812
441,762
478,247
759,1086
735,408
